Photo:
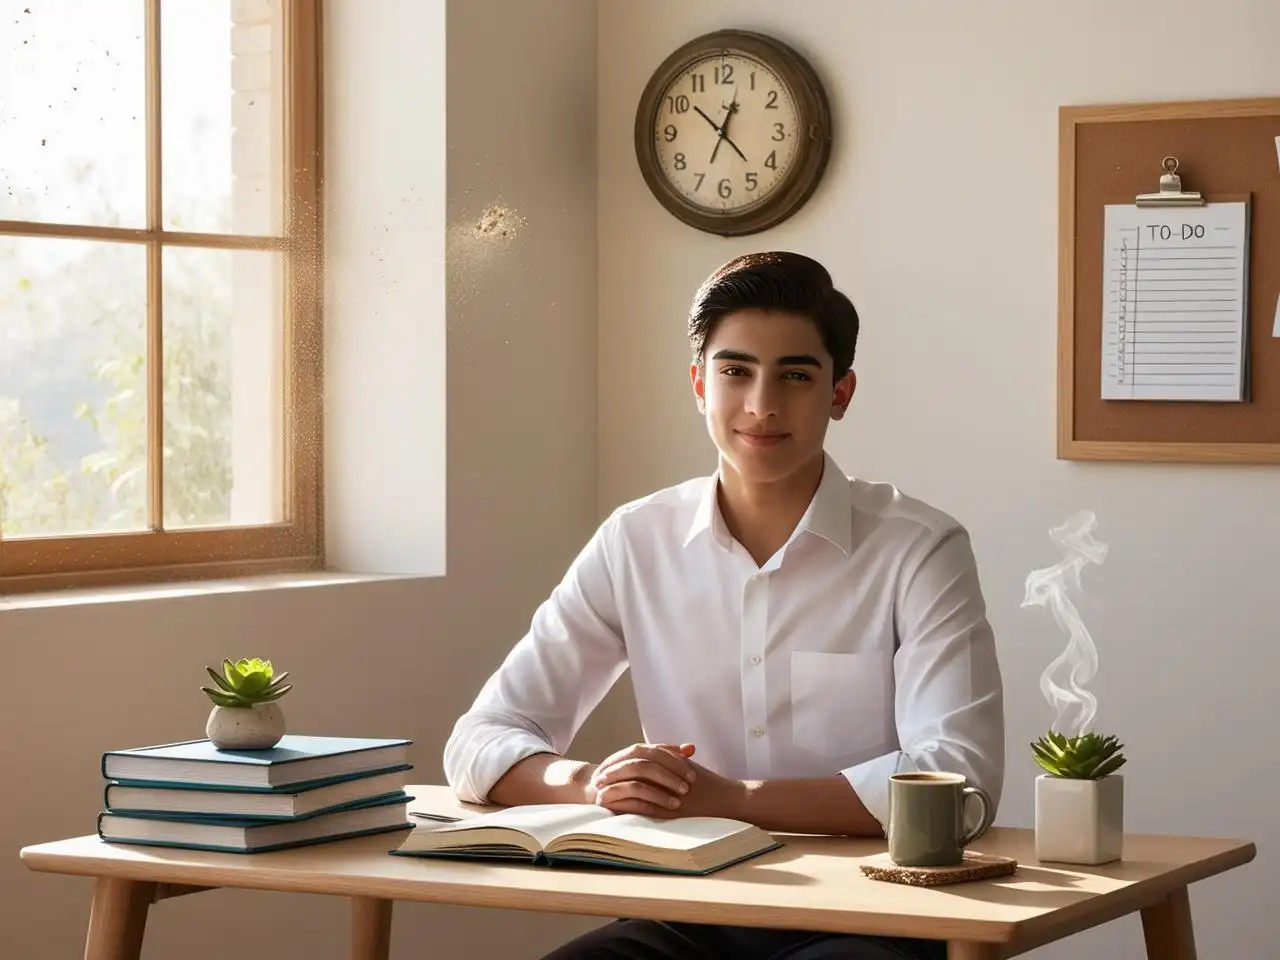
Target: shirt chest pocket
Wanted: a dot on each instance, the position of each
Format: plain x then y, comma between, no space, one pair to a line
840,702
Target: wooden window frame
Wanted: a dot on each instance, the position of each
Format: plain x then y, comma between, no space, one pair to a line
296,544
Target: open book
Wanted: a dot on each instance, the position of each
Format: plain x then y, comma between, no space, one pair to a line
586,834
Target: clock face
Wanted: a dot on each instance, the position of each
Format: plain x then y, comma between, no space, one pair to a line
726,133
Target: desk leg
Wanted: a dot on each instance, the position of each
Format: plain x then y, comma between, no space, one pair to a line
370,928
1167,928
117,919
968,950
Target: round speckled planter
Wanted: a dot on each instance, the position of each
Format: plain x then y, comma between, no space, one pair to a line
245,728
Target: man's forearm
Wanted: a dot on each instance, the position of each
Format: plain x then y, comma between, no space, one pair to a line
826,805
543,778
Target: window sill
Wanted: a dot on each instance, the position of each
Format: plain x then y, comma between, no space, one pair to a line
136,593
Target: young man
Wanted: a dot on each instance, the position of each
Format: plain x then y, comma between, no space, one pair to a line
794,636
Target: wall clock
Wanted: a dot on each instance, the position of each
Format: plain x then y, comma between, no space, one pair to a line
733,132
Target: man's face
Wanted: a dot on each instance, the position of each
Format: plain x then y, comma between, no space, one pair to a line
767,393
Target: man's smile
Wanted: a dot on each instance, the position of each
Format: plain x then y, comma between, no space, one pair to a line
762,438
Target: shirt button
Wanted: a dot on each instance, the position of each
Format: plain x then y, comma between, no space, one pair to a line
755,658
757,731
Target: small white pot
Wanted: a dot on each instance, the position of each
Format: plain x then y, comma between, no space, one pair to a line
245,728
1079,821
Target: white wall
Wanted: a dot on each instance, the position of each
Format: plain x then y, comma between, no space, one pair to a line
395,658
938,215
386,371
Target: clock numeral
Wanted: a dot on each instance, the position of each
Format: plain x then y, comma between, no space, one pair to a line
724,188
701,177
699,81
772,102
669,132
752,181
771,161
724,73
680,162
753,79
779,132
679,104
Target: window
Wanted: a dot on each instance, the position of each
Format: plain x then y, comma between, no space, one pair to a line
160,285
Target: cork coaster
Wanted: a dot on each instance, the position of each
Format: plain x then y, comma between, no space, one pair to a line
975,866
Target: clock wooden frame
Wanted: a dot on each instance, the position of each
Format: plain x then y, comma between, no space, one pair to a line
814,133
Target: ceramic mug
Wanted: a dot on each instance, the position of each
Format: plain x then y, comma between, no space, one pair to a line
927,817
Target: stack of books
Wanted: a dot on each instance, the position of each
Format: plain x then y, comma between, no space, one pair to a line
304,790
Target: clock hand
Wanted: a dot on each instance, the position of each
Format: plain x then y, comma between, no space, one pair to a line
724,128
735,148
725,137
733,108
720,132
724,125
706,118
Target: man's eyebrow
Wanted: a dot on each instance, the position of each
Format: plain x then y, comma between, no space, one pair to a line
791,360
800,360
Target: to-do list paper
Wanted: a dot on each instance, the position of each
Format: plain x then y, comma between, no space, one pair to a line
1175,302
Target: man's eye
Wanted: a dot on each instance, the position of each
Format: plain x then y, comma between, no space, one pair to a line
798,374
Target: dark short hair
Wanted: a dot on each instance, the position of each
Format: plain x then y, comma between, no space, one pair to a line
781,281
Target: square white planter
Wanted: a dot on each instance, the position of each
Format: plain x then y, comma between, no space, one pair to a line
1079,821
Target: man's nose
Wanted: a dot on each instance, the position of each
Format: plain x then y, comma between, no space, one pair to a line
762,398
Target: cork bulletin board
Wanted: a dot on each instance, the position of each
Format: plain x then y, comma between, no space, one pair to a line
1229,152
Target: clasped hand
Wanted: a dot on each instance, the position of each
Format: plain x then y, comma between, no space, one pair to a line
659,780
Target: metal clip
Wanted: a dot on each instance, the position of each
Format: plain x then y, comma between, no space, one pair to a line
1171,193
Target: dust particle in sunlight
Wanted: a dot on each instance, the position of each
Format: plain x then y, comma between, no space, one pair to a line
498,221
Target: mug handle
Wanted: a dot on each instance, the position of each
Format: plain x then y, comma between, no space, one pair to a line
988,813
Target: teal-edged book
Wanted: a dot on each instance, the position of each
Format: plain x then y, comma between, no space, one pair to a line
253,835
300,800
585,834
296,759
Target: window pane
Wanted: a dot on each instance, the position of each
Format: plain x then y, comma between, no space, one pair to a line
73,396
223,336
73,112
220,68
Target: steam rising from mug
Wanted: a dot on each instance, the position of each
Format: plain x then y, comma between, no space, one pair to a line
1074,706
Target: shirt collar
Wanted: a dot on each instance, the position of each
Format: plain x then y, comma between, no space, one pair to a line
707,517
829,514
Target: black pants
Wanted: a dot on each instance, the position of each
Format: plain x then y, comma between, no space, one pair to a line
653,940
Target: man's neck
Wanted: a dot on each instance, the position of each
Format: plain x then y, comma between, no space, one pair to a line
761,516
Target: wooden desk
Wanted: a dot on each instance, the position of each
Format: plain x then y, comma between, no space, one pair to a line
811,883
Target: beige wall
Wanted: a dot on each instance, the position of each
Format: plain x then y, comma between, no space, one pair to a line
938,215
382,658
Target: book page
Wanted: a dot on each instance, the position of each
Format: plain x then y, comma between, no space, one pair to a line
682,833
447,808
544,822
1175,297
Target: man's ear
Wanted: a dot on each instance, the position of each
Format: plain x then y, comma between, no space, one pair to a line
699,387
842,395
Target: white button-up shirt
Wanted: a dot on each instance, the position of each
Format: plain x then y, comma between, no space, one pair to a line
861,648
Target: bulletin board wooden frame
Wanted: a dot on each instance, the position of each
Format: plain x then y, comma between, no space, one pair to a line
1226,149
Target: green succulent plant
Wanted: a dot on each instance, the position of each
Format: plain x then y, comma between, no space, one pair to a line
1084,757
246,682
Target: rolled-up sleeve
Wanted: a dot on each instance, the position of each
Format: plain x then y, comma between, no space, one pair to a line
949,696
550,681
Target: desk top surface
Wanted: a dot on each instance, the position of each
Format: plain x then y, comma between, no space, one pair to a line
810,883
